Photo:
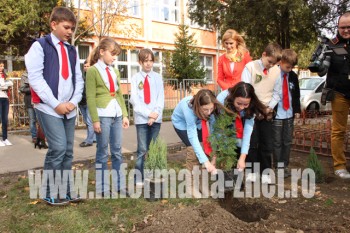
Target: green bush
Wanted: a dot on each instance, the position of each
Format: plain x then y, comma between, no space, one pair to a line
314,163
157,155
223,142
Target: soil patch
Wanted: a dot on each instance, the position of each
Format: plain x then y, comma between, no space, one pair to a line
328,210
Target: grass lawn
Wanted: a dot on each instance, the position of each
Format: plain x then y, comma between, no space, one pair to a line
19,213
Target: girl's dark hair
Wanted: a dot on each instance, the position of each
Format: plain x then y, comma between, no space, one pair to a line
245,90
105,44
204,97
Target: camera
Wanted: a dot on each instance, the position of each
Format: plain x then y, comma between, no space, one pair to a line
319,59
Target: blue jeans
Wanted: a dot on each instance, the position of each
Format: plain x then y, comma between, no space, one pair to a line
59,133
90,137
32,121
145,134
4,113
282,141
111,133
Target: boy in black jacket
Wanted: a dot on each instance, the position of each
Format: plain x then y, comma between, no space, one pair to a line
287,108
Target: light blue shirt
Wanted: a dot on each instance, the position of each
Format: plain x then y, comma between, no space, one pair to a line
247,78
281,112
183,118
113,109
141,109
243,143
34,61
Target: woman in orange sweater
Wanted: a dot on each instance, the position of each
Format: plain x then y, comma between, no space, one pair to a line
231,64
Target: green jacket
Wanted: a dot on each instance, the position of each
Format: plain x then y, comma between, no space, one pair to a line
97,93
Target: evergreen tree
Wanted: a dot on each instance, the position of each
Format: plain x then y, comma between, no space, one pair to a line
185,62
314,163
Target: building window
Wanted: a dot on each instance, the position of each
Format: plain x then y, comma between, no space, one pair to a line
207,63
84,51
165,10
134,8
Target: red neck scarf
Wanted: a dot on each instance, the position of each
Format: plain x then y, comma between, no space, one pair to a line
239,126
205,135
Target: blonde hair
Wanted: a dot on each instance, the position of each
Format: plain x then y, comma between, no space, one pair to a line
233,34
105,44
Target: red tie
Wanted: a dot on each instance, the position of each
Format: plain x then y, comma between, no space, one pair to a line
205,135
285,93
111,82
265,71
64,70
239,126
147,91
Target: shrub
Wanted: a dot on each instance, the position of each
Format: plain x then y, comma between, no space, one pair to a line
314,163
157,155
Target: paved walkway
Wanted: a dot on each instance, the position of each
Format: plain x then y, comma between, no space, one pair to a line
22,155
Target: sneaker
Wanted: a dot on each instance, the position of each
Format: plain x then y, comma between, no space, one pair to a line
2,144
73,199
55,202
342,173
251,177
266,179
7,142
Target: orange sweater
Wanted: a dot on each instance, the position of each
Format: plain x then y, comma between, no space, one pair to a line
228,78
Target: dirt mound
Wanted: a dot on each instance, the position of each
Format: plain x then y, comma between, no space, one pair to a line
207,217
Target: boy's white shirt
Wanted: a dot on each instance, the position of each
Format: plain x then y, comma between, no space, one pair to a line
142,110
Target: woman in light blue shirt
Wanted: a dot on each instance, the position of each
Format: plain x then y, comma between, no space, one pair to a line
242,100
188,119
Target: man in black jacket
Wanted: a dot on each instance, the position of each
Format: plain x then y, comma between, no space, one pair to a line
338,78
287,108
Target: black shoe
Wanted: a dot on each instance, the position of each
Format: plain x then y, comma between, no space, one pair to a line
55,202
85,144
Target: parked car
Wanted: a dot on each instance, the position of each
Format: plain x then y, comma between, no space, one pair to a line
310,94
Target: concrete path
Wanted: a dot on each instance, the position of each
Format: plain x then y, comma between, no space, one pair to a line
22,155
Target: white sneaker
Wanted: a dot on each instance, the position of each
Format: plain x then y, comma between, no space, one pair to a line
1,143
342,173
7,142
266,179
251,177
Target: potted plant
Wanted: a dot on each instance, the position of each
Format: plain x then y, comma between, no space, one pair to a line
223,143
156,160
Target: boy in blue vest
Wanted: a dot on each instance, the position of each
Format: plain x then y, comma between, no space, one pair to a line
57,85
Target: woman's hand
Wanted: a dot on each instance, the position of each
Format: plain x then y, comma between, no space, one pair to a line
210,167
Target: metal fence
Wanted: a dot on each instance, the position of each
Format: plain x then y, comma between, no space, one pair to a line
174,91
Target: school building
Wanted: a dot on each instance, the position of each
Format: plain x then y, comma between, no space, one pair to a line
150,24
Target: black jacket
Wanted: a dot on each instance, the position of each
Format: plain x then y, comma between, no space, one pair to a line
293,84
339,69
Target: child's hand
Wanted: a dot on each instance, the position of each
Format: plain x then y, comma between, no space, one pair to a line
125,123
150,121
61,109
153,115
97,127
241,164
70,107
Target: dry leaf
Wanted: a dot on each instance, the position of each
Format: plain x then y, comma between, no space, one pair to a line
5,196
164,201
282,201
33,203
133,228
26,189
